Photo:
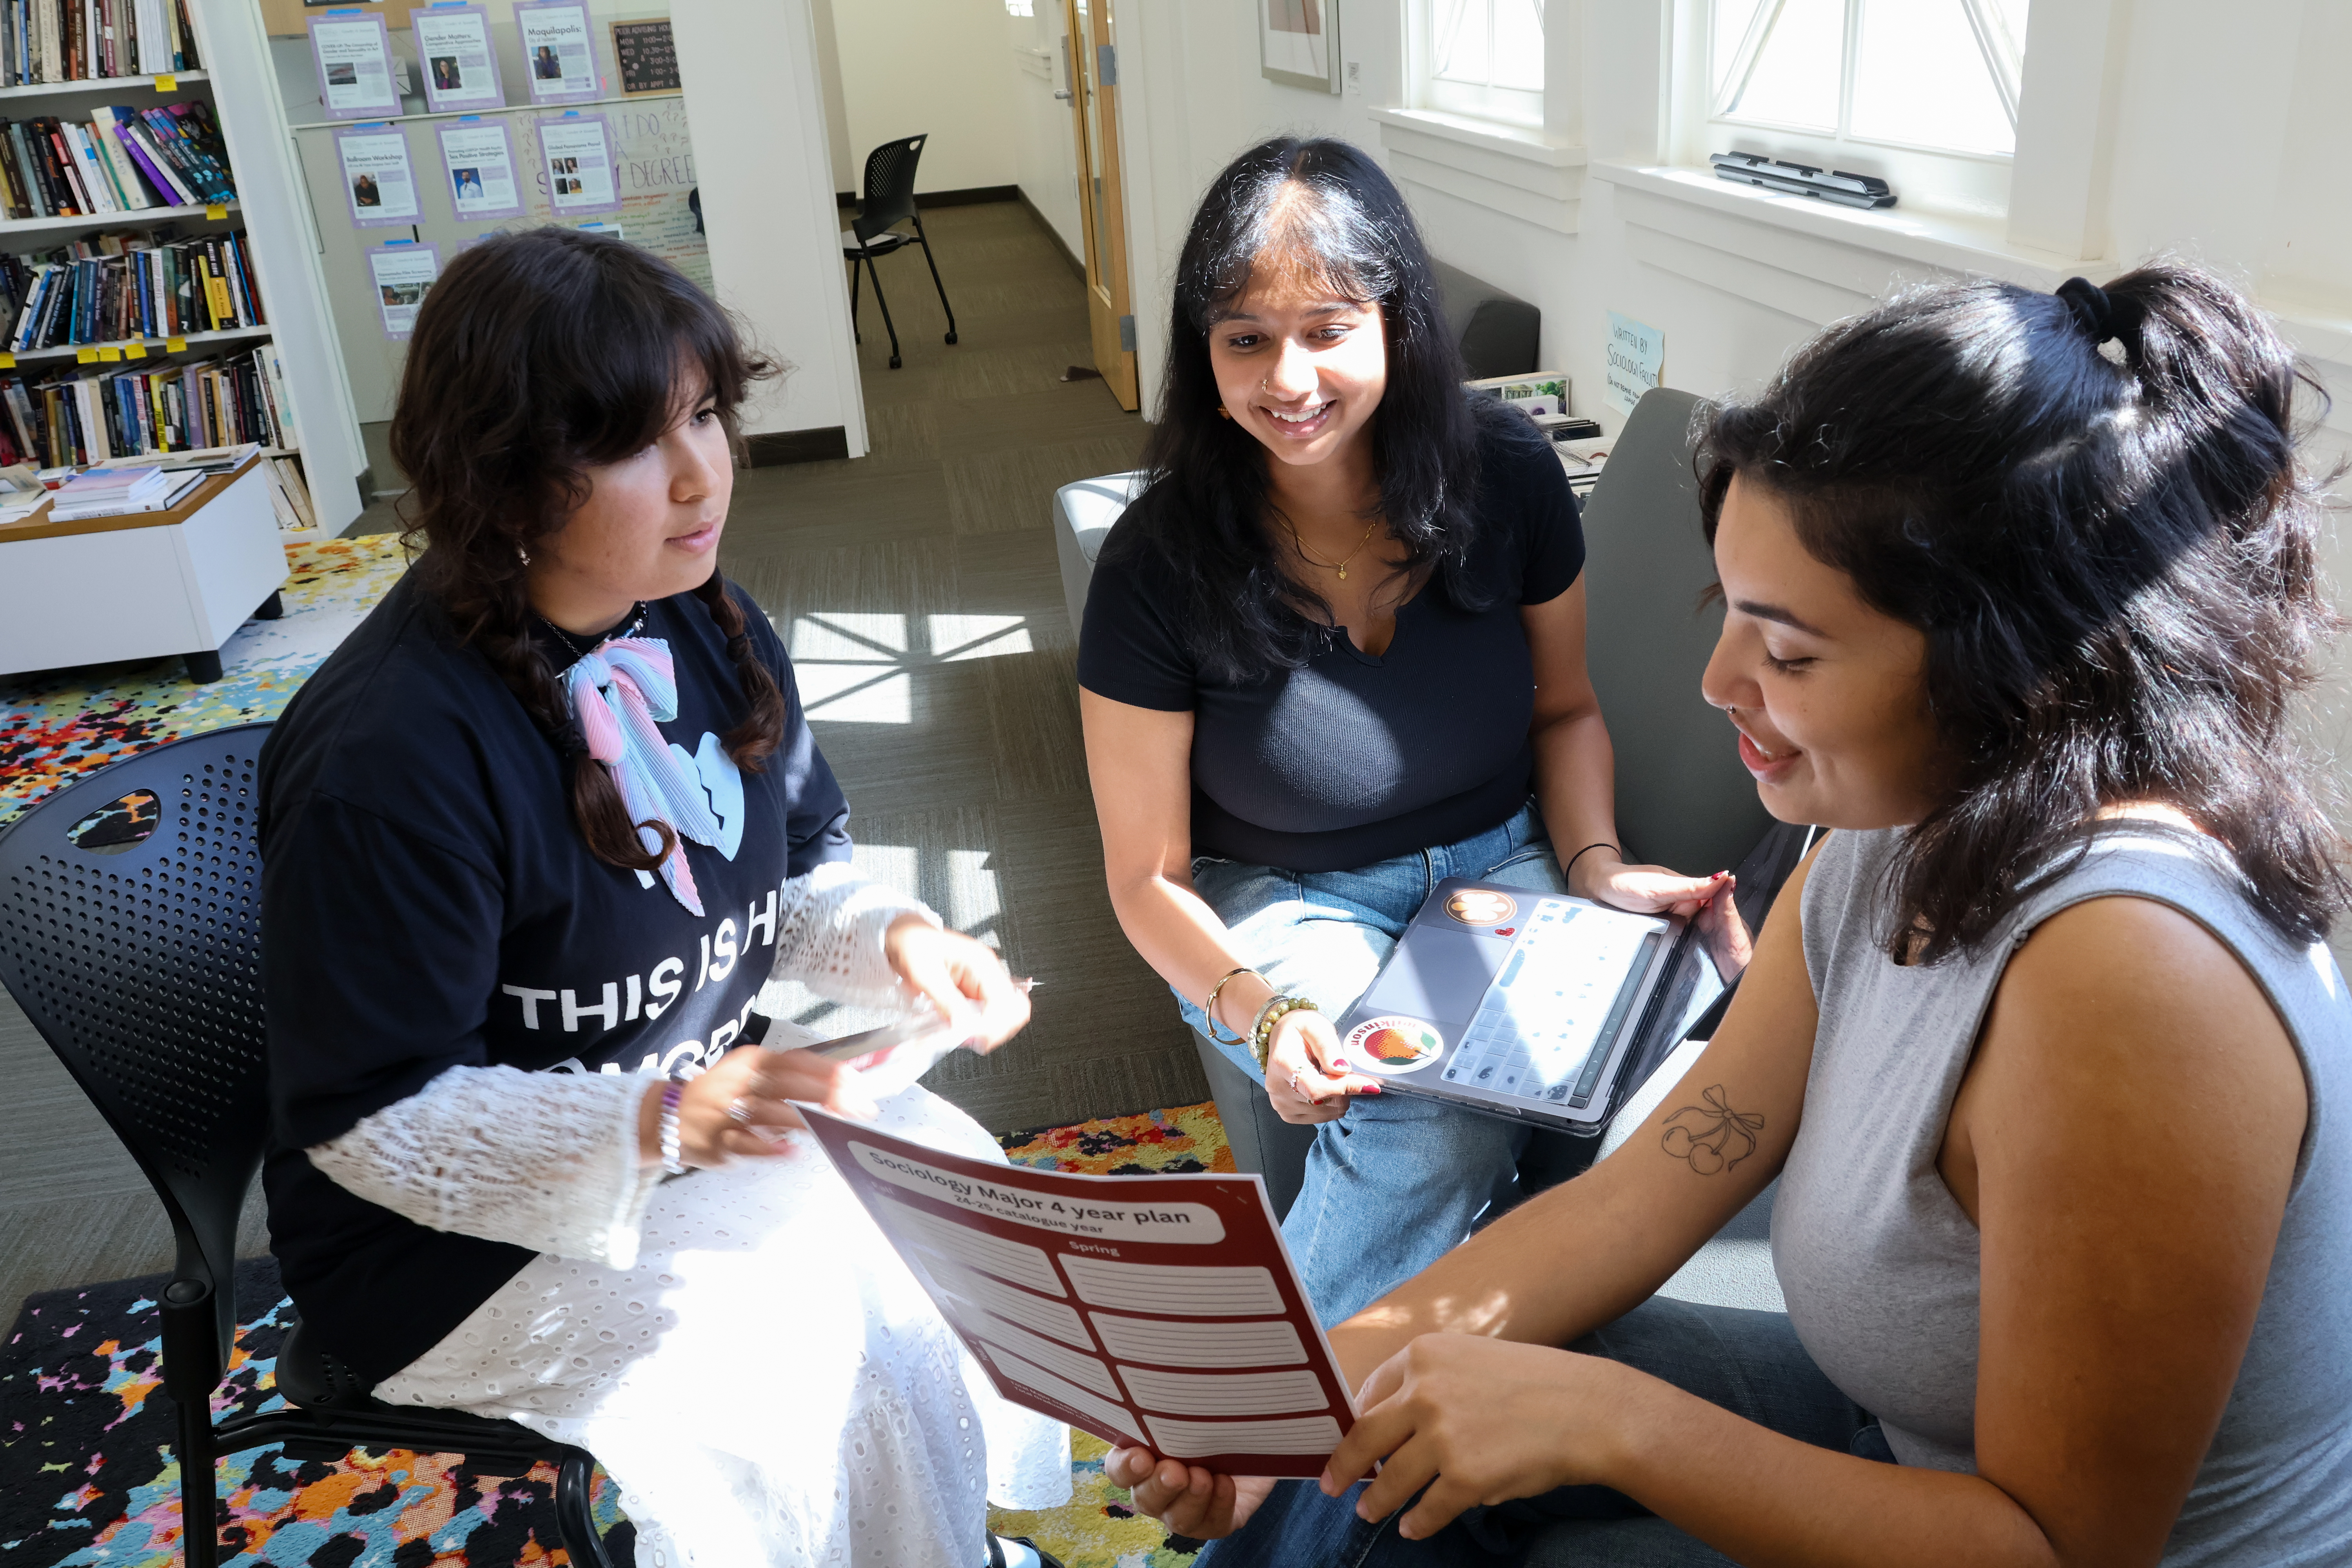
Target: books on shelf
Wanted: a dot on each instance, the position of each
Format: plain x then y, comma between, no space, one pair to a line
80,40
113,286
289,496
85,415
112,492
123,160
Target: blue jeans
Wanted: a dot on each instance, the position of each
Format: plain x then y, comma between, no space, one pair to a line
1400,1180
1749,1363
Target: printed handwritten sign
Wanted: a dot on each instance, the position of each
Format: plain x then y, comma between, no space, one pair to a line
1636,355
647,58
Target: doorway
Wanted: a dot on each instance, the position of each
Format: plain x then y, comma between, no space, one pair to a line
1094,106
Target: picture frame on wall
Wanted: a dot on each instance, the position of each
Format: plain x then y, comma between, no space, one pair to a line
1298,43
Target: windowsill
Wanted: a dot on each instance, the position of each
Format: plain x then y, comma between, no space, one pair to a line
1494,135
1957,241
1515,169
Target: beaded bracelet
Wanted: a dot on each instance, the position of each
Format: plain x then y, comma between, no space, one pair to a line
1262,1032
672,1092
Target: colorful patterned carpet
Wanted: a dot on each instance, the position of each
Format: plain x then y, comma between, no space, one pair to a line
87,1476
56,727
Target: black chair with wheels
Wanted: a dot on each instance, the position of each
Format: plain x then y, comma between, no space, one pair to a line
886,201
131,936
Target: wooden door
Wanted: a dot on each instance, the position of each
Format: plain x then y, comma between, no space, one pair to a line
1093,105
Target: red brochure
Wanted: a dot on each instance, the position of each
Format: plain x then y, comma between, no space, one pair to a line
1160,1311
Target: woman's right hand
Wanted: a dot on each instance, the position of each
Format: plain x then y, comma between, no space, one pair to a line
1187,1499
1305,1076
760,1084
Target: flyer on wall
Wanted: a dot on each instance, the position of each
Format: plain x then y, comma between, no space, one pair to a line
404,271
354,59
576,160
379,183
454,52
478,160
558,50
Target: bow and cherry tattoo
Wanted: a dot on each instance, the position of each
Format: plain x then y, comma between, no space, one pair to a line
1711,1137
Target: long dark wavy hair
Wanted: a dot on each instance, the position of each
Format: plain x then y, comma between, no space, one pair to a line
538,355
1323,206
2111,554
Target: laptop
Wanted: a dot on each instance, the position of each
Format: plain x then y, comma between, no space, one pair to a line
1540,1006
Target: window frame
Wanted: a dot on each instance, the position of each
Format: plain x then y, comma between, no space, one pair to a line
1933,178
1518,107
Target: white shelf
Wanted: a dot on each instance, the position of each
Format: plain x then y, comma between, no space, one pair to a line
155,346
466,113
138,218
98,84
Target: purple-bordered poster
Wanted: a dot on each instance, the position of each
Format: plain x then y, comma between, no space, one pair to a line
459,62
403,272
379,181
353,54
575,159
559,50
477,159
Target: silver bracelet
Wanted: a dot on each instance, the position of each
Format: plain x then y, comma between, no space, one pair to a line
672,1092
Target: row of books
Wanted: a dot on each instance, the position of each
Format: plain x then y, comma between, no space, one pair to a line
87,415
124,160
129,285
80,40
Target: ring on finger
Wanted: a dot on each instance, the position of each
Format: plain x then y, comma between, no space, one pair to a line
739,1111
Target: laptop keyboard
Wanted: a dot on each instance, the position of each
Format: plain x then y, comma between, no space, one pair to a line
1543,1029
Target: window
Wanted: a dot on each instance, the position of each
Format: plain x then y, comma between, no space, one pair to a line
1485,58
1915,90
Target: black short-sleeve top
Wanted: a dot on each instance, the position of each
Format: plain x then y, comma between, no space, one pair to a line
428,902
1354,758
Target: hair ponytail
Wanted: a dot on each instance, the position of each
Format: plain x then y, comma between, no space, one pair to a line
506,398
2090,504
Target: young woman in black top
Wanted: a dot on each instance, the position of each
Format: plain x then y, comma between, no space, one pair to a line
1332,655
533,838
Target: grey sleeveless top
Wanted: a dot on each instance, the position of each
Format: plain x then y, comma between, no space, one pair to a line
1880,1265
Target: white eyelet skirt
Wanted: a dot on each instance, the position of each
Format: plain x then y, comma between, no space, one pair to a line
769,1385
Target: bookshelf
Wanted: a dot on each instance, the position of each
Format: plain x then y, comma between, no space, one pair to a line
145,397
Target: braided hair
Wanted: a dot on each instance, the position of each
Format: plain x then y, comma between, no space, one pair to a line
508,398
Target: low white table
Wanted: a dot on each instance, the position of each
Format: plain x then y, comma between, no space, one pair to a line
143,585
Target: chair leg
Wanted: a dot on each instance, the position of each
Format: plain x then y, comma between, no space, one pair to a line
199,1506
575,1522
887,322
855,335
924,240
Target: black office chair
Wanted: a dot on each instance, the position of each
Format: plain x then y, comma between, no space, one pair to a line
130,935
889,200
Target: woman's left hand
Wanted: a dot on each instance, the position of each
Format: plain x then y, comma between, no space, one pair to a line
1656,890
1478,1421
960,977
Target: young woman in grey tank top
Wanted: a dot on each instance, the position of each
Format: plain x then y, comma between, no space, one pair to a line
2048,1048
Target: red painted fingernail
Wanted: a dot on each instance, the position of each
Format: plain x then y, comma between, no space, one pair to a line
1372,1089
1339,1061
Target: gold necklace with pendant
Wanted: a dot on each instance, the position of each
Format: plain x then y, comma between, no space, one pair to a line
1301,545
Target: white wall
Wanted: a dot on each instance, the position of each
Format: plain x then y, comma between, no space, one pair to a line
1045,134
2145,129
768,210
940,66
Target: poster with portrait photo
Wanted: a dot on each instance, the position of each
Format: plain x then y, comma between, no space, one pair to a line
558,51
577,163
402,273
354,59
479,159
1298,43
379,181
454,55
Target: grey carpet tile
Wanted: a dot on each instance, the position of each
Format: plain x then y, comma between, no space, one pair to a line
835,504
1057,412
985,371
897,433
1035,697
59,1147
1016,574
64,1243
990,492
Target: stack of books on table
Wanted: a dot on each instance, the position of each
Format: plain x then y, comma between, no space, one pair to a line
112,492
